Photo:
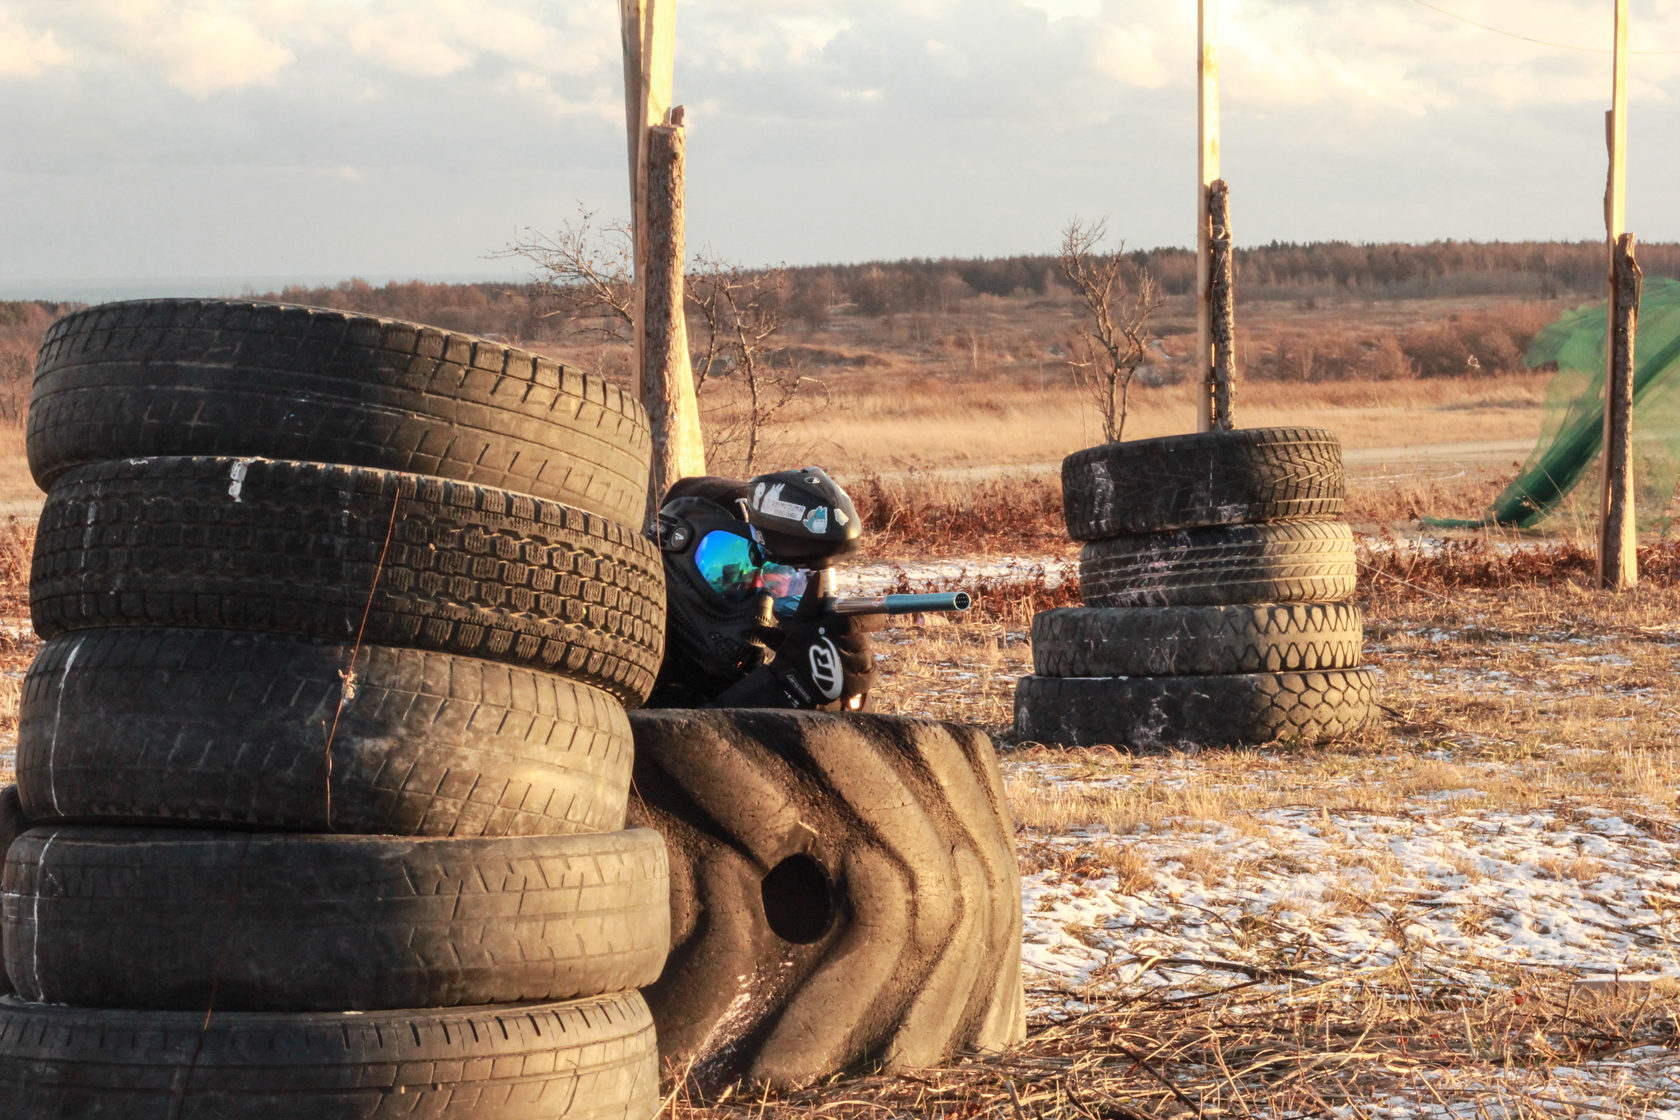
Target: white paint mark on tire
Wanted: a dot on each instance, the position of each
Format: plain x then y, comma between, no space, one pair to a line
58,715
35,916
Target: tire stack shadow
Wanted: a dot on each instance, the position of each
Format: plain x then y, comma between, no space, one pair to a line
1215,574
324,764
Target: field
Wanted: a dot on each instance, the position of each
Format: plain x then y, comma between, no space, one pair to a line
1472,911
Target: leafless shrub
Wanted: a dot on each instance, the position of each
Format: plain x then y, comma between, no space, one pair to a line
742,313
1115,300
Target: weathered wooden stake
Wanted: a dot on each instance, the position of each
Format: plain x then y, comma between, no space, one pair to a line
667,385
1222,298
661,365
1618,559
1207,101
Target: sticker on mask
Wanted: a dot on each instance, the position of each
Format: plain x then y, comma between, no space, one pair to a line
770,502
825,669
817,520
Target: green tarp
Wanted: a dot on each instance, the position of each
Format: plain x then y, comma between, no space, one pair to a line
1573,430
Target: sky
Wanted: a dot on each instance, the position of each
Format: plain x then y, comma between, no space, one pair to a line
168,145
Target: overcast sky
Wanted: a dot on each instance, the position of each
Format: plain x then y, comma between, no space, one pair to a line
248,140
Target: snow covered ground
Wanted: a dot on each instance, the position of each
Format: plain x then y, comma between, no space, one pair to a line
1445,881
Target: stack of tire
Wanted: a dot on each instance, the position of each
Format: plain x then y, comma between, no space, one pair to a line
1215,575
325,760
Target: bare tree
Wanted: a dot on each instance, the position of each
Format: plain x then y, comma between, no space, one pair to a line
1115,302
745,381
587,272
741,314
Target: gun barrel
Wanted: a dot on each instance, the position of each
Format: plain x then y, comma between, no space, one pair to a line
944,601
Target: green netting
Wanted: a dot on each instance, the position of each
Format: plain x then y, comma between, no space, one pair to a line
1573,430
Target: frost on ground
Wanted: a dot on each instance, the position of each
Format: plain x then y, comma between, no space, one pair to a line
1442,882
1443,893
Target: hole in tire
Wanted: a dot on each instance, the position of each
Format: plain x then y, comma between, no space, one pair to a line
799,900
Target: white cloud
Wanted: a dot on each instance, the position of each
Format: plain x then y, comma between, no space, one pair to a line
25,53
1131,55
406,43
208,51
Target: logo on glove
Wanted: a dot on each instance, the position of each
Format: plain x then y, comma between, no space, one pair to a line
826,673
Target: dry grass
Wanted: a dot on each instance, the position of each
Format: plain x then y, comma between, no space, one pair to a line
1282,1043
942,422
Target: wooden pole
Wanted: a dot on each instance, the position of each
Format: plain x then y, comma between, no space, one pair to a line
667,382
1207,130
1222,296
660,365
1618,561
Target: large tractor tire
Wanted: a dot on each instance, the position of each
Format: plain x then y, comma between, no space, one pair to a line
350,554
844,893
1287,562
1195,641
251,730
1194,481
170,919
1164,713
244,379
591,1059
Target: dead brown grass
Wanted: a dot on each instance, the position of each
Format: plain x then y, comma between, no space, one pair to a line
1283,1042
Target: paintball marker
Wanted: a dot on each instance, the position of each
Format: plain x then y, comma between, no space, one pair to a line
946,601
804,521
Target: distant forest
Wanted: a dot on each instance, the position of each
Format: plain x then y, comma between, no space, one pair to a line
815,294
1279,271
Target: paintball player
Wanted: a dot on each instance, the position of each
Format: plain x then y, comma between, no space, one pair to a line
748,618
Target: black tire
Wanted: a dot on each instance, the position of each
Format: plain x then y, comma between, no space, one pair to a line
12,825
1288,562
1195,641
295,548
844,892
585,1060
229,728
1162,713
170,919
1236,477
236,378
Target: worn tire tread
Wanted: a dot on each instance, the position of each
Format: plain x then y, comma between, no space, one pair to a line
1237,477
1196,641
908,817
1285,562
591,1059
229,728
1158,713
289,547
242,378
166,919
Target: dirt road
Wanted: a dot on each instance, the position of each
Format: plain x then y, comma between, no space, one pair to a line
1417,460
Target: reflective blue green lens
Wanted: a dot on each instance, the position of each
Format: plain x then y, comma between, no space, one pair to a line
785,582
729,563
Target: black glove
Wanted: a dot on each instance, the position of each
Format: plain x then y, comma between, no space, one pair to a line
825,659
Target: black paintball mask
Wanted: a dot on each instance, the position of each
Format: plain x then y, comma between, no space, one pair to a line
739,553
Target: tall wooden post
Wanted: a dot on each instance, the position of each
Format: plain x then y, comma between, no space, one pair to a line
664,380
1618,561
1207,130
